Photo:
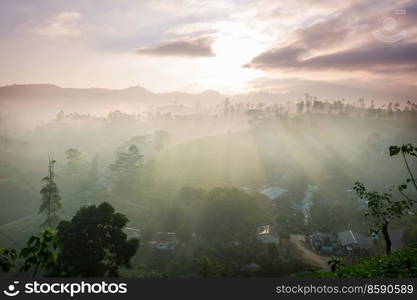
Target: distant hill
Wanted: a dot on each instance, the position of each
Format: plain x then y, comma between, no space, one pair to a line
26,92
41,102
45,92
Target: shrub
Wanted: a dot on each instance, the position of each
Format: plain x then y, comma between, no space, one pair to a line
399,264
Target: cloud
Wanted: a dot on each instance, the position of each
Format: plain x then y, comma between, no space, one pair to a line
59,25
345,41
193,28
198,47
374,57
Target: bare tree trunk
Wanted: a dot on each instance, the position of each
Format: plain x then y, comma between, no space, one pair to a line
387,238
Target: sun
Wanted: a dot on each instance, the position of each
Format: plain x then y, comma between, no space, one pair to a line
234,47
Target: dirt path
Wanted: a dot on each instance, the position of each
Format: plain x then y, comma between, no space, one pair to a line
308,254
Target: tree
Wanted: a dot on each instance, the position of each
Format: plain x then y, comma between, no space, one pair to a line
335,263
290,219
381,207
51,201
410,150
40,252
300,107
230,214
382,210
7,258
73,160
327,217
93,243
211,268
399,264
124,170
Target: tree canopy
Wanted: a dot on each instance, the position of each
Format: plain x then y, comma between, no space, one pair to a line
93,243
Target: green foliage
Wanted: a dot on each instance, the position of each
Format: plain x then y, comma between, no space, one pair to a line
51,200
381,207
335,263
327,217
405,149
40,252
93,244
73,154
73,157
150,274
247,259
290,219
7,258
126,165
73,160
382,210
212,269
399,264
124,172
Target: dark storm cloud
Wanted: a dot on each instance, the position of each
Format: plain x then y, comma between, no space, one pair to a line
200,47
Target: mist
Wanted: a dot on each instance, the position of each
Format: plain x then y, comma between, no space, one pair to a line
308,152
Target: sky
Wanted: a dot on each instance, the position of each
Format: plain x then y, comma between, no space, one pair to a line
235,46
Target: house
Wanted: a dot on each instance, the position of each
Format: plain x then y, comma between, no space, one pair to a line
350,241
265,235
323,242
164,241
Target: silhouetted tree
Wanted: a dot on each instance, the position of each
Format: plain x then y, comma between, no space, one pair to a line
51,201
93,243
73,160
125,169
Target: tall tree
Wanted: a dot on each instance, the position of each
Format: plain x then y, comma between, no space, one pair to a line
124,170
51,200
73,160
